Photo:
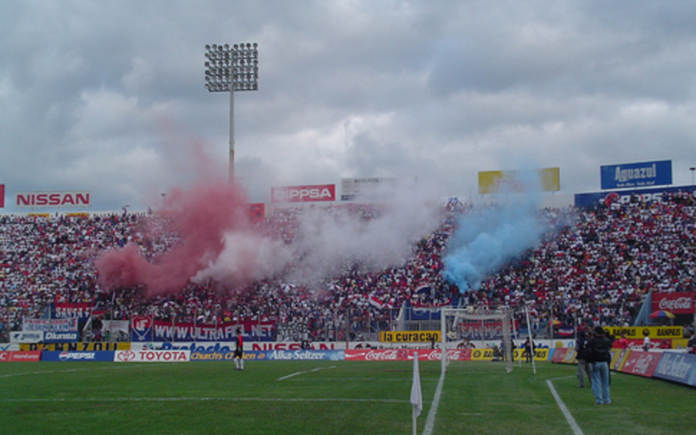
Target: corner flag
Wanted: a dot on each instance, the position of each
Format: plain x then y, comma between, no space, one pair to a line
416,396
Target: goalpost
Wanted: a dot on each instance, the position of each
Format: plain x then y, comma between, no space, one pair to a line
459,326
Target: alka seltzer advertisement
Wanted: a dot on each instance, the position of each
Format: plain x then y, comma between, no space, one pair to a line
632,175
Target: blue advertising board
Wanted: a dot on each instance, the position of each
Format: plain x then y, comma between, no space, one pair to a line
677,367
99,355
631,175
625,196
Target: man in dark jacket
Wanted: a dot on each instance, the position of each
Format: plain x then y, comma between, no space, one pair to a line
599,356
581,356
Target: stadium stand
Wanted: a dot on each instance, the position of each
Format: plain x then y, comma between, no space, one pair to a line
594,267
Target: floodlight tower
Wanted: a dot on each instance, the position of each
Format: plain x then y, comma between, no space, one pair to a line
230,69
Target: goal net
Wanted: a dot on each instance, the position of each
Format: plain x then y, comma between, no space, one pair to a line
464,328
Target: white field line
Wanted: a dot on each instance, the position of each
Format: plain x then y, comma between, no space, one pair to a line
201,399
83,369
568,416
303,372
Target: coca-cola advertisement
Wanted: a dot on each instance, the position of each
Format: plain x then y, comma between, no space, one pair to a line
675,303
405,354
641,363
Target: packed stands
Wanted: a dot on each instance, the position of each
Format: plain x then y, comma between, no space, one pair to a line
594,266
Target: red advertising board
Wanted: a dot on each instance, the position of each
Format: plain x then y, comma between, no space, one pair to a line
559,354
312,193
20,356
2,196
405,354
676,303
641,363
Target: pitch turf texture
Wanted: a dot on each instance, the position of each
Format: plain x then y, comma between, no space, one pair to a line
303,397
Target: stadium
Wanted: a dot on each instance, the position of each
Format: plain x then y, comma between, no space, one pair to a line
339,291
391,250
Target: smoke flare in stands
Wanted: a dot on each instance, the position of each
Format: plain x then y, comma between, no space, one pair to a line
489,237
206,219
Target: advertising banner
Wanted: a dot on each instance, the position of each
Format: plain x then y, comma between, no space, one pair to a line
641,363
368,189
173,332
19,356
53,199
79,347
626,196
677,367
676,303
103,356
559,354
545,180
312,193
152,356
2,196
60,337
405,354
637,332
228,346
211,355
630,175
305,355
409,336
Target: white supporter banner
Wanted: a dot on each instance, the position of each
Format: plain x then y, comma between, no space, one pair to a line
152,356
26,336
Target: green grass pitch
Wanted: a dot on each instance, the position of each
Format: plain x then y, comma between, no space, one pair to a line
310,397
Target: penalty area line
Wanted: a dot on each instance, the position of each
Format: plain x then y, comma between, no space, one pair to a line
303,372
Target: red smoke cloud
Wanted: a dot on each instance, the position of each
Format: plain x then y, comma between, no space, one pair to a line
201,217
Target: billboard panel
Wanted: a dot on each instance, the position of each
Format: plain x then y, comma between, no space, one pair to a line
2,196
546,179
53,199
312,193
630,175
626,196
368,189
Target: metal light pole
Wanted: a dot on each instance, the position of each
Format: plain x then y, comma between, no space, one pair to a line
229,69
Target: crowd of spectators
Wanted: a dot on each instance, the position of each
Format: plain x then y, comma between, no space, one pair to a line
593,266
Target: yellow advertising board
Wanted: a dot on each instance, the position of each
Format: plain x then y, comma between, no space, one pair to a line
638,332
409,336
546,179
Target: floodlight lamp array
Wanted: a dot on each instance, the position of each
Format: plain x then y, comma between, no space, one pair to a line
233,67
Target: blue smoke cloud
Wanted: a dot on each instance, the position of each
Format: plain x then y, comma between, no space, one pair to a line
487,238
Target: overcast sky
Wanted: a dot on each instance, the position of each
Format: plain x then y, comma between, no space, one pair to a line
108,96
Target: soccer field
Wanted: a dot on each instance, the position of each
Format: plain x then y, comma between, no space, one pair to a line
307,397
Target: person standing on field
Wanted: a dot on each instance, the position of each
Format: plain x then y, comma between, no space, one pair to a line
583,369
599,355
239,351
